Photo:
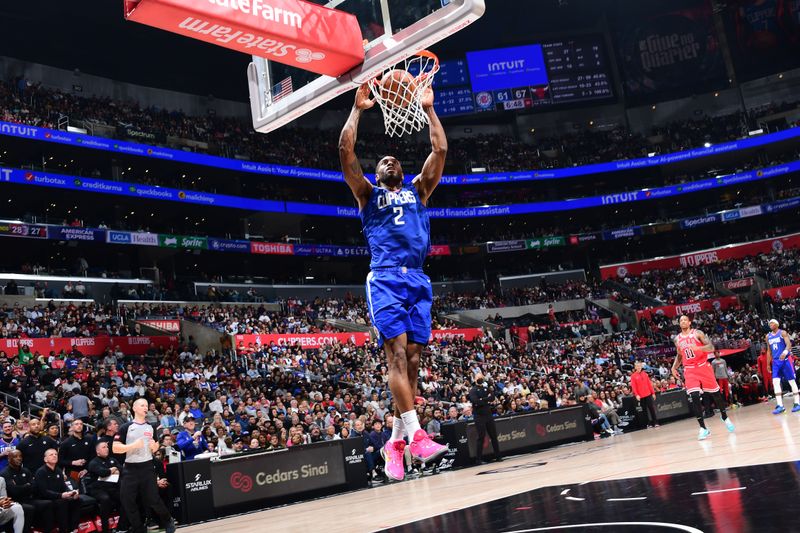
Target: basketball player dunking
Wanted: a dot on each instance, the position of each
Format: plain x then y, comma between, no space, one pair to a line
779,358
693,347
397,229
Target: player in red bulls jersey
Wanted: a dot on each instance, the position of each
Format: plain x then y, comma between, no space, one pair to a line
693,347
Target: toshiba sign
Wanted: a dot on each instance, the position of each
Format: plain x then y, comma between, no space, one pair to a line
293,32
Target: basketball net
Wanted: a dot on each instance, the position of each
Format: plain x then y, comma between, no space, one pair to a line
400,103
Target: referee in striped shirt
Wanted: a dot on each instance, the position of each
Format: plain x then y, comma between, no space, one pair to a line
135,440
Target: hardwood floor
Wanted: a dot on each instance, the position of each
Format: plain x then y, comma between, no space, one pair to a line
760,438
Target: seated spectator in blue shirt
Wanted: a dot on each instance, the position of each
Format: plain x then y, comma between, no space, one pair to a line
190,442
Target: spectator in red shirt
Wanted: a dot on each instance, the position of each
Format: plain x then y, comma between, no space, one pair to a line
765,372
644,392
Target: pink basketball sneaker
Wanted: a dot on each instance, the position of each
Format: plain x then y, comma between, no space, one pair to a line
424,449
392,453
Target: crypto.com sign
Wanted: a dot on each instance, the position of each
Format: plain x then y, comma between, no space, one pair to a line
293,32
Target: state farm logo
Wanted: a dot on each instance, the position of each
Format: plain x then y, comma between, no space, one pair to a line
304,55
241,482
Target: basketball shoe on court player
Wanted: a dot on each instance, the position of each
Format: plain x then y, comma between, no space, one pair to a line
396,224
693,346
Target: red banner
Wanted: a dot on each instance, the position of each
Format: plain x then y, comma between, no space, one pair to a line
468,334
88,345
293,32
271,248
307,341
702,257
690,308
788,292
439,249
171,326
739,283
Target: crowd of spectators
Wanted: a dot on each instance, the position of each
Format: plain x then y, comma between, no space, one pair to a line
540,294
33,103
59,320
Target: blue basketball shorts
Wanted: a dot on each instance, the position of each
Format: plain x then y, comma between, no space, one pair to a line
399,301
783,369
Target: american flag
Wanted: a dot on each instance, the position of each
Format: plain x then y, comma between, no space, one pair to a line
282,89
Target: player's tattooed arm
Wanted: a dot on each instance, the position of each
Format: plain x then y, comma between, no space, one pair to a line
351,168
707,346
433,168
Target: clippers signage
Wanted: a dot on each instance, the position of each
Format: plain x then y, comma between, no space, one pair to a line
672,311
788,292
307,341
292,32
275,475
93,346
467,334
532,430
700,258
29,231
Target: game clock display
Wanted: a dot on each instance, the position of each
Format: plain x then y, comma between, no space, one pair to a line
525,77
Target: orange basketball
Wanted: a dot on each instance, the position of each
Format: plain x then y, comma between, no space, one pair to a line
397,86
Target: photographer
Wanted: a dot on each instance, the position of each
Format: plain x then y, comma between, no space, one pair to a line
482,399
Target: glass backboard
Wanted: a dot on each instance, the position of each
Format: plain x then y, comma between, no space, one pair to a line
392,30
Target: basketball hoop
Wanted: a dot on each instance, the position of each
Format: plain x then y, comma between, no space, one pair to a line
399,93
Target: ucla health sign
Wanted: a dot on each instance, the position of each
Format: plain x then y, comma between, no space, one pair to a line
142,150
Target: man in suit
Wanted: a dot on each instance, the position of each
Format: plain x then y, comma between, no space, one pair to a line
19,485
482,399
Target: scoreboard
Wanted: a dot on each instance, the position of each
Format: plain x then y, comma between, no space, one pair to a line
527,77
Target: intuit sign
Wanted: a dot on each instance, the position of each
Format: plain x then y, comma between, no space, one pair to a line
505,68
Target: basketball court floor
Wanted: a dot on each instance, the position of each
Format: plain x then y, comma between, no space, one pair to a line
661,479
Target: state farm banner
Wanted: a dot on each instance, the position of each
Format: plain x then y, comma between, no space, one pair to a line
702,257
292,32
787,292
671,311
171,326
92,346
307,341
468,334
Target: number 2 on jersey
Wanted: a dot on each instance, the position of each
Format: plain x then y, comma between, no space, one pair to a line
398,220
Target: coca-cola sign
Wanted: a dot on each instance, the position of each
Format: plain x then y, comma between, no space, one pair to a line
742,283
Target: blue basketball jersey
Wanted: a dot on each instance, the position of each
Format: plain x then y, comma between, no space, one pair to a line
776,344
397,228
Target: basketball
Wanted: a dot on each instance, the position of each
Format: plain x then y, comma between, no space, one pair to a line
397,86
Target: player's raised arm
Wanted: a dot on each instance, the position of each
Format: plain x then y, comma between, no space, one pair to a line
351,168
707,346
432,170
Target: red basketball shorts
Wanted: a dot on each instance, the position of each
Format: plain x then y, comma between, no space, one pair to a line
700,379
